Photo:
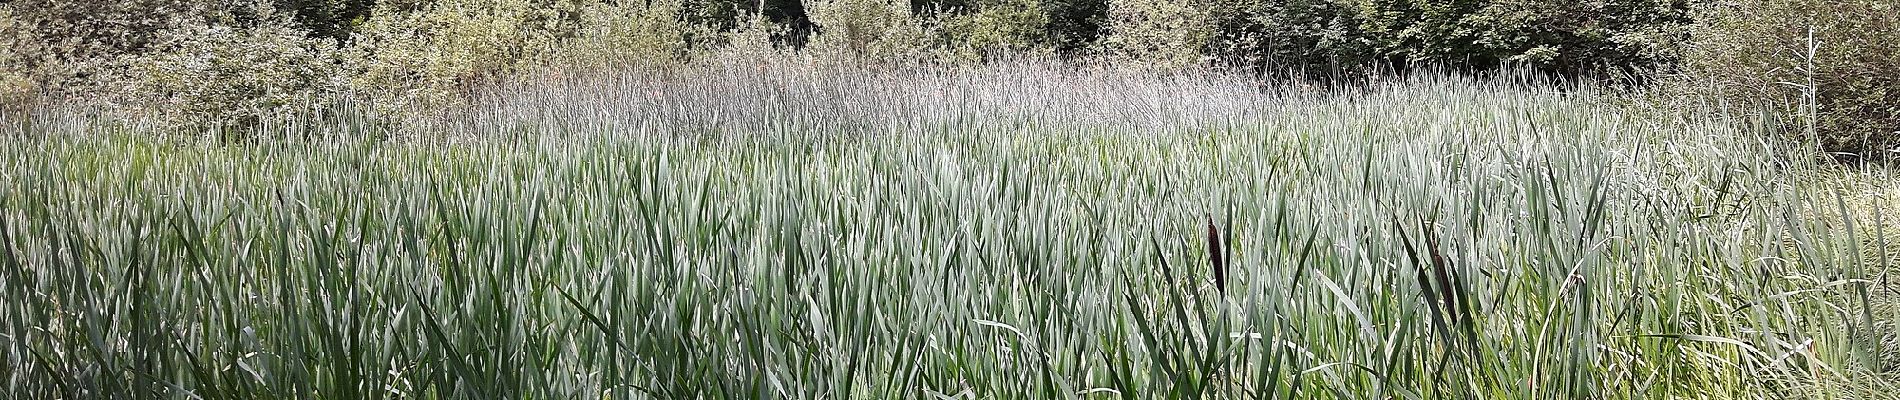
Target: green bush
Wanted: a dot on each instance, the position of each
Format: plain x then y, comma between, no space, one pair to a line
437,51
220,62
189,64
1075,25
333,19
1561,36
1294,35
68,48
867,31
610,34
992,27
231,78
16,84
1831,62
1355,36
1580,36
1160,33
750,39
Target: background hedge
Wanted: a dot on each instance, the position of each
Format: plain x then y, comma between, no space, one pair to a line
1838,96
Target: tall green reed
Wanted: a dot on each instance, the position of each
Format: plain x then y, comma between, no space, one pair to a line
1014,231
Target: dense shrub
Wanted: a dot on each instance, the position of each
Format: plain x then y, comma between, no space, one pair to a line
333,19
1571,36
191,64
228,62
441,49
229,77
16,84
610,34
1833,62
1317,36
1160,33
1074,25
793,24
70,47
1351,36
753,38
867,31
989,27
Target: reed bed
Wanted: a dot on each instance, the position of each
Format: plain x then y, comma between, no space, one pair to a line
780,230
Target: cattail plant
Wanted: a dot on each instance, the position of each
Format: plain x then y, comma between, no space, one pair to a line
783,229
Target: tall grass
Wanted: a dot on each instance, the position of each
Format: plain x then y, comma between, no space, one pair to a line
1018,231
